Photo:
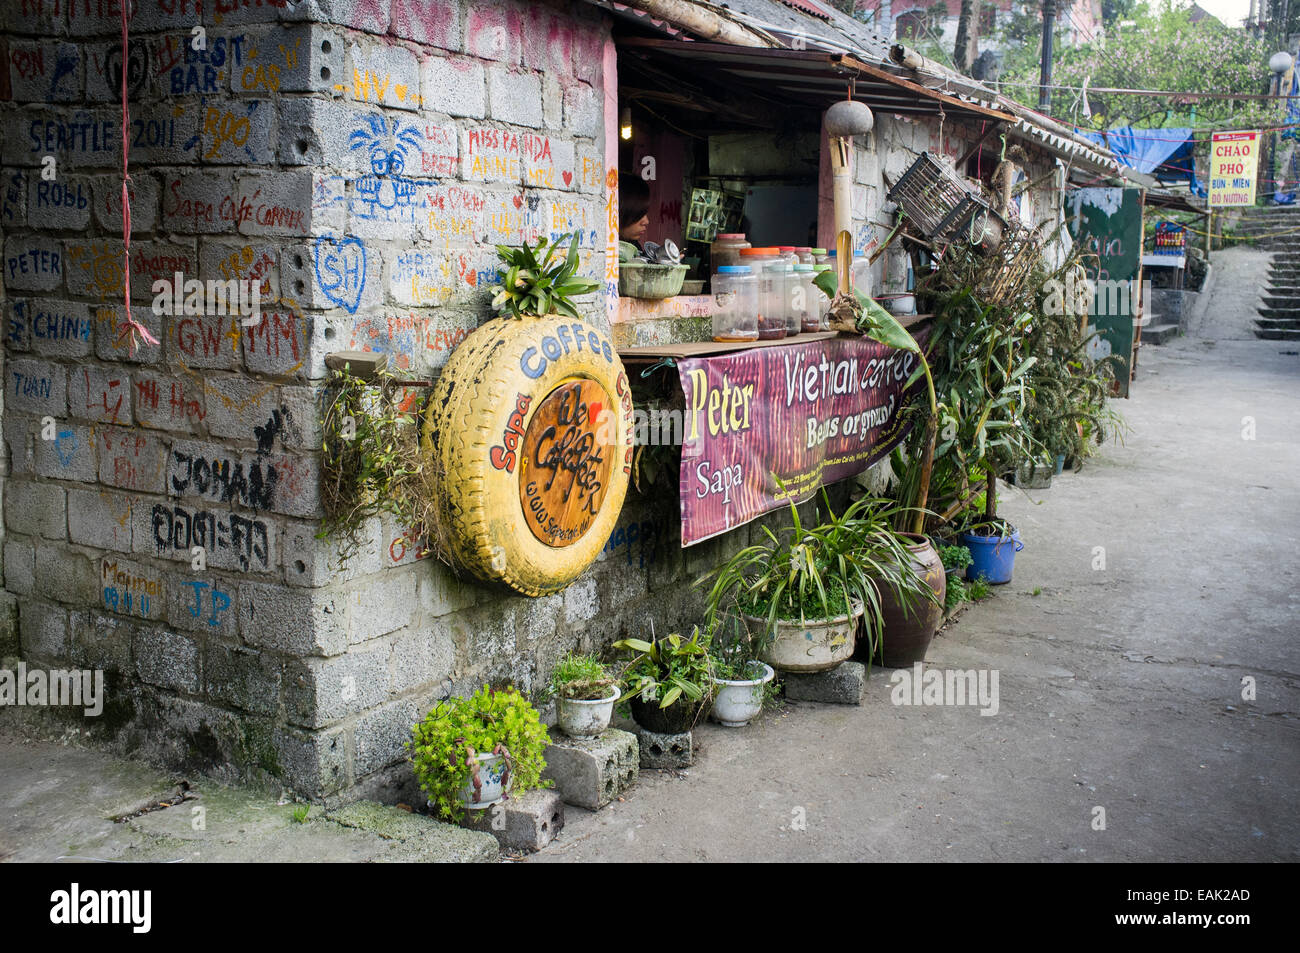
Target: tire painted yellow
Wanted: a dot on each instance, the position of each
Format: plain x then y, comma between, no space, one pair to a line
529,433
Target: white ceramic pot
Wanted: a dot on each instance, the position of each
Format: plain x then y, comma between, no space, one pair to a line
815,645
580,718
735,704
493,782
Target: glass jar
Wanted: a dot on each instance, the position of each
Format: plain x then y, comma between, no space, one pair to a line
861,271
804,255
819,256
725,249
735,304
823,302
803,299
769,268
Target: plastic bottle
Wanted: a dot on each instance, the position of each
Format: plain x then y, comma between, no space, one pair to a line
725,249
804,298
735,304
769,268
805,256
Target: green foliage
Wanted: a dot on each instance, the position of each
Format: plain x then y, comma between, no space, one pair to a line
581,677
954,557
819,572
537,282
979,589
957,593
299,814
667,669
370,460
443,747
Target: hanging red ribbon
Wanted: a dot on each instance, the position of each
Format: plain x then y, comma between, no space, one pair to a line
131,325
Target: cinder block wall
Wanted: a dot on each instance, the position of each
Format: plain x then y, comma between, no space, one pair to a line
359,159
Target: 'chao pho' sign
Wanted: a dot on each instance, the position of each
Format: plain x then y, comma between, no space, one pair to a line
794,416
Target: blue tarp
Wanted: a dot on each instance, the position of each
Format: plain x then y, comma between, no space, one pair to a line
1163,153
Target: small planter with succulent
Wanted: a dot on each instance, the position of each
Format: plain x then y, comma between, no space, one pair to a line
742,682
668,682
473,752
585,694
540,281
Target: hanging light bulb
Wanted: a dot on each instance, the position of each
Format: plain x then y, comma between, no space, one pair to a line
625,123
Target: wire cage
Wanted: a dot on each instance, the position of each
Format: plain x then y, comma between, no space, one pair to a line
944,207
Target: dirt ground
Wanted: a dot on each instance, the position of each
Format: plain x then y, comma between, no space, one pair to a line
1120,687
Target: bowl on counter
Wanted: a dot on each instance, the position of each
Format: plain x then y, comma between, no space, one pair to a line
639,279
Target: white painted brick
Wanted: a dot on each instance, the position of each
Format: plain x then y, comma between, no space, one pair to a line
39,387
433,23
238,132
281,203
313,562
100,518
382,75
199,202
52,328
454,85
379,606
236,541
168,403
100,394
514,97
130,458
33,263
69,456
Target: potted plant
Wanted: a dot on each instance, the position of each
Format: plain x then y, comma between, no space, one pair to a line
585,694
668,682
471,752
803,592
955,559
741,680
993,545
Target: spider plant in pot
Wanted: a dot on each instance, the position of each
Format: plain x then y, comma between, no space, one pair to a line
742,682
668,682
584,694
804,591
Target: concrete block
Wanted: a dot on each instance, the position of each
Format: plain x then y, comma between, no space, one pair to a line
43,630
581,601
420,657
52,328
100,518
433,23
66,575
36,509
199,203
427,840
61,204
33,263
592,772
202,602
313,562
100,641
130,459
98,19
229,540
242,678
440,592
115,342
320,691
493,32
380,74
214,472
378,606
69,456
313,763
20,565
130,588
843,685
380,736
166,134
78,138
101,395
280,203
454,85
168,403
514,97
289,59
552,102
13,198
584,111
292,621
527,822
167,660
19,435
665,751
103,67
204,340
34,19
237,132
280,345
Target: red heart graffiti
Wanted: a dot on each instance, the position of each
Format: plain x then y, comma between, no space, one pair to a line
472,278
568,177
519,201
593,412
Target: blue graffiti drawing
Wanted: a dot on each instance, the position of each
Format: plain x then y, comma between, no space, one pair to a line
220,602
65,451
386,143
341,270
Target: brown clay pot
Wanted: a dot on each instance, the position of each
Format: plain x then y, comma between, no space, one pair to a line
909,629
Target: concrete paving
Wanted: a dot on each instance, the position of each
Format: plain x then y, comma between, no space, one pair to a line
1119,687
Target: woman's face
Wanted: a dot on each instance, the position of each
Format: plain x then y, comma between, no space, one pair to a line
636,231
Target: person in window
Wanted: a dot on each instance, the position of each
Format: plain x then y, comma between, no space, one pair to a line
633,210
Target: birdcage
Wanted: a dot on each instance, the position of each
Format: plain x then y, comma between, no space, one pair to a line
943,206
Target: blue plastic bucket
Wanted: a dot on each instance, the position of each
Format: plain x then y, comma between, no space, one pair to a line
992,557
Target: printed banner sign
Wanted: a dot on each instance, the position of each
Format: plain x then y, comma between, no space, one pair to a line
794,416
1234,160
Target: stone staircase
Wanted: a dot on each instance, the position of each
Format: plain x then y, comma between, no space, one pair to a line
1278,229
